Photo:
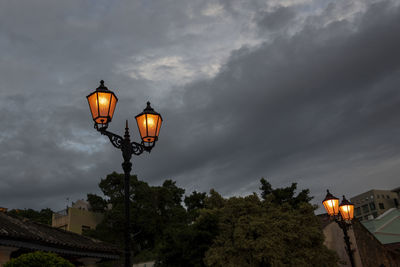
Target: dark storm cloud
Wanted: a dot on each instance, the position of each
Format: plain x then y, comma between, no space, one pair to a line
276,19
318,107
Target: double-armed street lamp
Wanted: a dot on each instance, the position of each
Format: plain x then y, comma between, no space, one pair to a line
102,104
343,215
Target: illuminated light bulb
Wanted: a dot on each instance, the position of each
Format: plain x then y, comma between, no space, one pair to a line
150,122
103,101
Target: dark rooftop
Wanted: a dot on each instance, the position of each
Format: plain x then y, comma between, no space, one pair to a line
19,232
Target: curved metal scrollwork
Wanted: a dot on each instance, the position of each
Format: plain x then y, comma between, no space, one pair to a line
137,149
128,148
115,139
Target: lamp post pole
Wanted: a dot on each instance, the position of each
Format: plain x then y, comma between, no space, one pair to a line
342,224
102,103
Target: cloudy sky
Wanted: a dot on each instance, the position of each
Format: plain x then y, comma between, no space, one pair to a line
304,91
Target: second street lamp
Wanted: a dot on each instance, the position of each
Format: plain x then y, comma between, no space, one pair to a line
343,215
102,104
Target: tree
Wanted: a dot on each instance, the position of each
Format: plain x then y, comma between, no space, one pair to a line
38,259
153,209
194,203
97,203
43,216
186,245
280,230
284,195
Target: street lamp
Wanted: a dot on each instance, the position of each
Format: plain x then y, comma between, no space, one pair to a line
342,214
102,104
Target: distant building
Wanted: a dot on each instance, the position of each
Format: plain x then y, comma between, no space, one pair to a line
367,249
76,218
373,203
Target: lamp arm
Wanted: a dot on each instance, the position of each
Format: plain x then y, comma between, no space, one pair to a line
137,148
127,147
115,139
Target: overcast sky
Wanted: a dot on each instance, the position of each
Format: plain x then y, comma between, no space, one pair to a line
304,91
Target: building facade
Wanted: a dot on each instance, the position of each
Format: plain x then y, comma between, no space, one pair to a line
373,203
77,218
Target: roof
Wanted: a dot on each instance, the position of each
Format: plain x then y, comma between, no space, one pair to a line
19,232
386,227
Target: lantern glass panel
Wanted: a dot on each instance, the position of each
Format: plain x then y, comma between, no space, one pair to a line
159,125
104,99
347,212
331,206
142,124
93,105
113,104
152,122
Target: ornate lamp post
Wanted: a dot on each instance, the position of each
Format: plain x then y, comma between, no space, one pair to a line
343,219
102,104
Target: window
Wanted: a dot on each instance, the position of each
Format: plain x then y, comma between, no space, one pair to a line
377,196
381,206
358,211
365,208
375,214
387,196
372,206
372,197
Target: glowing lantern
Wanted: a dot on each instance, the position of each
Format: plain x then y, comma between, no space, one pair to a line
331,204
102,104
346,210
149,123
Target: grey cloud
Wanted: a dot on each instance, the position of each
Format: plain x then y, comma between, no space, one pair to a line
297,99
319,107
276,19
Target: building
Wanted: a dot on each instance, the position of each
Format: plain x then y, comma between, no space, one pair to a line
386,227
367,249
19,236
77,218
373,203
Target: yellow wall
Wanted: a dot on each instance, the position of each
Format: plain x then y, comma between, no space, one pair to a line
75,219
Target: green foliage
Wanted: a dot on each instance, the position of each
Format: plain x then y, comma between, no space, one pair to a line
194,203
97,203
284,195
281,230
186,245
43,216
153,209
38,259
214,200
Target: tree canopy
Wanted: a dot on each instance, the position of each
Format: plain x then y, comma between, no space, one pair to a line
278,229
43,216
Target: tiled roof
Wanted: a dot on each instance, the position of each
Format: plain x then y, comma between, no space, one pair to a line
17,232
